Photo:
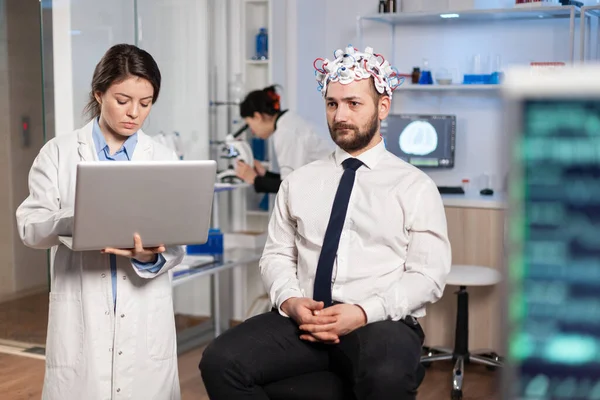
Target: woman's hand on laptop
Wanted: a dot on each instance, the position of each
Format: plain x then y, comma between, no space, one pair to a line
138,252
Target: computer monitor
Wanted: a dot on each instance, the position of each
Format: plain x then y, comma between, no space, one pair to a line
552,296
425,141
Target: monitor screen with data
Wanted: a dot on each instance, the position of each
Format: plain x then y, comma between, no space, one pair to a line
554,264
425,141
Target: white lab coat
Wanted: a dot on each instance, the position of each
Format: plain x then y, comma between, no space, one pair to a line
92,351
296,143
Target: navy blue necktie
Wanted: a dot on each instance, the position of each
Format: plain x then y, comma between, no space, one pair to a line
322,289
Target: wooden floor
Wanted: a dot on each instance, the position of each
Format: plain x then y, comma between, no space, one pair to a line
22,377
25,319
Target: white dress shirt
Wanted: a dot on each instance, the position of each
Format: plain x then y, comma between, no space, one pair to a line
296,143
394,254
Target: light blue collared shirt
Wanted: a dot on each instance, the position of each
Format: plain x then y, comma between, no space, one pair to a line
123,154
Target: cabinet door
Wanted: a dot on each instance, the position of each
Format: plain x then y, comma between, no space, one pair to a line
476,238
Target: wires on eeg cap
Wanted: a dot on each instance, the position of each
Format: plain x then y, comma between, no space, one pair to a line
351,65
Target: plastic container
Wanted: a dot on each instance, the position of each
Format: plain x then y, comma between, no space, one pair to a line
466,185
262,44
213,246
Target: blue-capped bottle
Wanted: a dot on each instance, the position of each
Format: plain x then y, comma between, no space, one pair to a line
262,44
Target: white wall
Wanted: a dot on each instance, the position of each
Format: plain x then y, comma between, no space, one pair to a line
7,281
22,269
479,134
82,32
176,34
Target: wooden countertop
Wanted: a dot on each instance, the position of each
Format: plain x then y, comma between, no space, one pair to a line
475,200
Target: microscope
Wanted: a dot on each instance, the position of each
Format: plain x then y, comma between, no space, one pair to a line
234,150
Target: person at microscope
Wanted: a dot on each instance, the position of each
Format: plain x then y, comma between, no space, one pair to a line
295,141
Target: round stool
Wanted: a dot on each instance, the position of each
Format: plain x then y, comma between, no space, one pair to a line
472,275
463,276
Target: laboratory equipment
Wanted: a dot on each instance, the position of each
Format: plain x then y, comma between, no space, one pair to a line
443,77
262,44
173,141
552,305
350,65
497,75
234,150
479,71
236,96
392,6
213,245
486,186
416,75
451,190
426,78
425,141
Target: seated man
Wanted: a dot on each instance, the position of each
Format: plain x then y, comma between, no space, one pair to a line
357,246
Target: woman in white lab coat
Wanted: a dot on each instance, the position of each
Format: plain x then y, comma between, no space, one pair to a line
111,330
295,142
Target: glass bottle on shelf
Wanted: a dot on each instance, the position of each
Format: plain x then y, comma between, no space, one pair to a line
236,96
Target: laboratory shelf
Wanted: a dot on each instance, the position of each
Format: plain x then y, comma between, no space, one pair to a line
452,18
257,213
478,15
257,62
585,31
448,88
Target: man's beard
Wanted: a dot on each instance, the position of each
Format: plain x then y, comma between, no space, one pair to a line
357,139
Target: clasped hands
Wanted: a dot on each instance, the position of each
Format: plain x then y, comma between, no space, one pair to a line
325,325
138,252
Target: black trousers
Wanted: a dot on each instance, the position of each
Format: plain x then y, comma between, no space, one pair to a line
379,361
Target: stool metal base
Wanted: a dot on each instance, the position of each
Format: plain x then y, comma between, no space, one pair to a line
486,358
460,355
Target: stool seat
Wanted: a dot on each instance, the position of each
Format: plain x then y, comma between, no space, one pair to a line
472,275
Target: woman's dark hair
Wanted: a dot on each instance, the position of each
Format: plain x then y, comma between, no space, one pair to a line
265,101
118,63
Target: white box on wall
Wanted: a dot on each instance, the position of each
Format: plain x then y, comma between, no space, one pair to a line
424,5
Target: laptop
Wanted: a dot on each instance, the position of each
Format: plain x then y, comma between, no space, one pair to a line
165,202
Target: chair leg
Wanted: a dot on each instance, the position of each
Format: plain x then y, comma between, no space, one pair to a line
434,350
481,352
486,361
436,357
457,378
461,337
460,354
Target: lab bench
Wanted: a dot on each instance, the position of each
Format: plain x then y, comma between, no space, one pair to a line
475,200
195,267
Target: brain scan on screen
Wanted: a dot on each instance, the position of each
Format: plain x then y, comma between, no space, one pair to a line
418,138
